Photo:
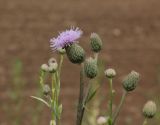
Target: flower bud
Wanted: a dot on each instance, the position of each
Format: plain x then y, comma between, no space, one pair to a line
52,65
46,89
44,67
130,81
90,68
75,53
52,68
52,61
101,120
149,109
61,51
110,73
96,43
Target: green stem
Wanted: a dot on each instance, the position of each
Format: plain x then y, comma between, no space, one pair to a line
58,73
41,78
53,87
111,98
145,122
57,77
80,110
119,107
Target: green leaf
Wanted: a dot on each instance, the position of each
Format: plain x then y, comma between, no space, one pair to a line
41,100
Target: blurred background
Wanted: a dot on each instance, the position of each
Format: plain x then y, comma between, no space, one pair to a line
130,30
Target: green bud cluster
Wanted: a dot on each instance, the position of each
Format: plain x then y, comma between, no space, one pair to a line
51,67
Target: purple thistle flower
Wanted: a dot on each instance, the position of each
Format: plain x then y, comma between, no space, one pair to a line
66,38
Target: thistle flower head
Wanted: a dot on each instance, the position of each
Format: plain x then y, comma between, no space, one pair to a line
65,38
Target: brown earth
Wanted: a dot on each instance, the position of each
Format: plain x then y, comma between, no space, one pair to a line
130,30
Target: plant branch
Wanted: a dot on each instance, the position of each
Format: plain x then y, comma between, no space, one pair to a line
80,110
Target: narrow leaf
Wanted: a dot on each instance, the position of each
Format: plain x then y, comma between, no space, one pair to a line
59,111
41,100
91,94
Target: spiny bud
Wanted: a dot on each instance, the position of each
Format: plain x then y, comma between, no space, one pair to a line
75,53
44,67
110,73
90,68
46,89
149,109
96,43
130,81
61,51
52,65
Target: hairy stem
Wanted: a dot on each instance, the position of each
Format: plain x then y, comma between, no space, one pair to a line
80,110
119,107
111,98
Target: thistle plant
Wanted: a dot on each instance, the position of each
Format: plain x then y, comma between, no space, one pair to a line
67,44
